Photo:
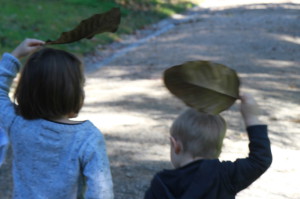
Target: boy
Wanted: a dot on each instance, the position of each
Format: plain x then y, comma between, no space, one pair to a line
196,141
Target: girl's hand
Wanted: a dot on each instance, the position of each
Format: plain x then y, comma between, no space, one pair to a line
27,47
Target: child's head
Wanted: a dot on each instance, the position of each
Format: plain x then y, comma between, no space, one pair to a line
200,134
50,86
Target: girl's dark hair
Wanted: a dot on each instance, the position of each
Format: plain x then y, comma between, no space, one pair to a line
50,86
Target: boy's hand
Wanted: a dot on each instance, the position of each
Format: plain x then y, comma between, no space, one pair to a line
250,110
27,47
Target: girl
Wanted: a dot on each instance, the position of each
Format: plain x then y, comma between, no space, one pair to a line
52,154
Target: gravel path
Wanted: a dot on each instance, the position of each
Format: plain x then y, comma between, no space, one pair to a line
126,98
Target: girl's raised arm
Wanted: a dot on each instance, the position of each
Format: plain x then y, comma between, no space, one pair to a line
9,67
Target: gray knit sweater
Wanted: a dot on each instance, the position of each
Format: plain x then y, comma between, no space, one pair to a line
49,158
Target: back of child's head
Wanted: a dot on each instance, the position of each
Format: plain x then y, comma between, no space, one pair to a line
201,134
50,86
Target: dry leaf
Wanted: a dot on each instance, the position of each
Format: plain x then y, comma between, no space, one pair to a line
206,86
98,23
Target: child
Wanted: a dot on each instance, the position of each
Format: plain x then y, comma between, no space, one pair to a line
196,141
51,153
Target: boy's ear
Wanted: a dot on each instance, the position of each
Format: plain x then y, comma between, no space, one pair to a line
176,144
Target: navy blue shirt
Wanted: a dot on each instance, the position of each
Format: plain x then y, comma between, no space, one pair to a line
213,179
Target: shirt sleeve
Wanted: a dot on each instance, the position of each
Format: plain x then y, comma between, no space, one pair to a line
9,67
96,169
245,171
3,145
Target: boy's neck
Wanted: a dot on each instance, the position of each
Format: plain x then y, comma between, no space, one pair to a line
187,159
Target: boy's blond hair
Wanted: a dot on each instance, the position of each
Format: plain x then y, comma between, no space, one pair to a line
201,134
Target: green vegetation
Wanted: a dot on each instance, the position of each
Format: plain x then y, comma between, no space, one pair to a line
48,18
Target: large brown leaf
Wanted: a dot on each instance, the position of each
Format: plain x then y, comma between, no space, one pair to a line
206,86
98,23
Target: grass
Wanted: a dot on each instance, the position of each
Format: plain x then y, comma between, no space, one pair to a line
48,18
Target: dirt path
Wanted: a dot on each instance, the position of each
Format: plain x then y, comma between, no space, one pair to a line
128,102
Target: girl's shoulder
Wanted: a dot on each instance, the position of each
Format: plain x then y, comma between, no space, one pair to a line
84,133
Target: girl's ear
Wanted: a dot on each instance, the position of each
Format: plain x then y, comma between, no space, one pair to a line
176,144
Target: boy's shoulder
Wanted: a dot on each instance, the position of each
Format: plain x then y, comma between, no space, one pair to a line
198,177
201,168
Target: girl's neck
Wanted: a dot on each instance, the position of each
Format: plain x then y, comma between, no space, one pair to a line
65,120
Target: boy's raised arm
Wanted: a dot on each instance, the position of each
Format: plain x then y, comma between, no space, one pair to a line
245,171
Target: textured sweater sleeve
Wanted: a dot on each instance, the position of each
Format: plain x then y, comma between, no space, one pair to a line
9,66
96,169
3,144
245,171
